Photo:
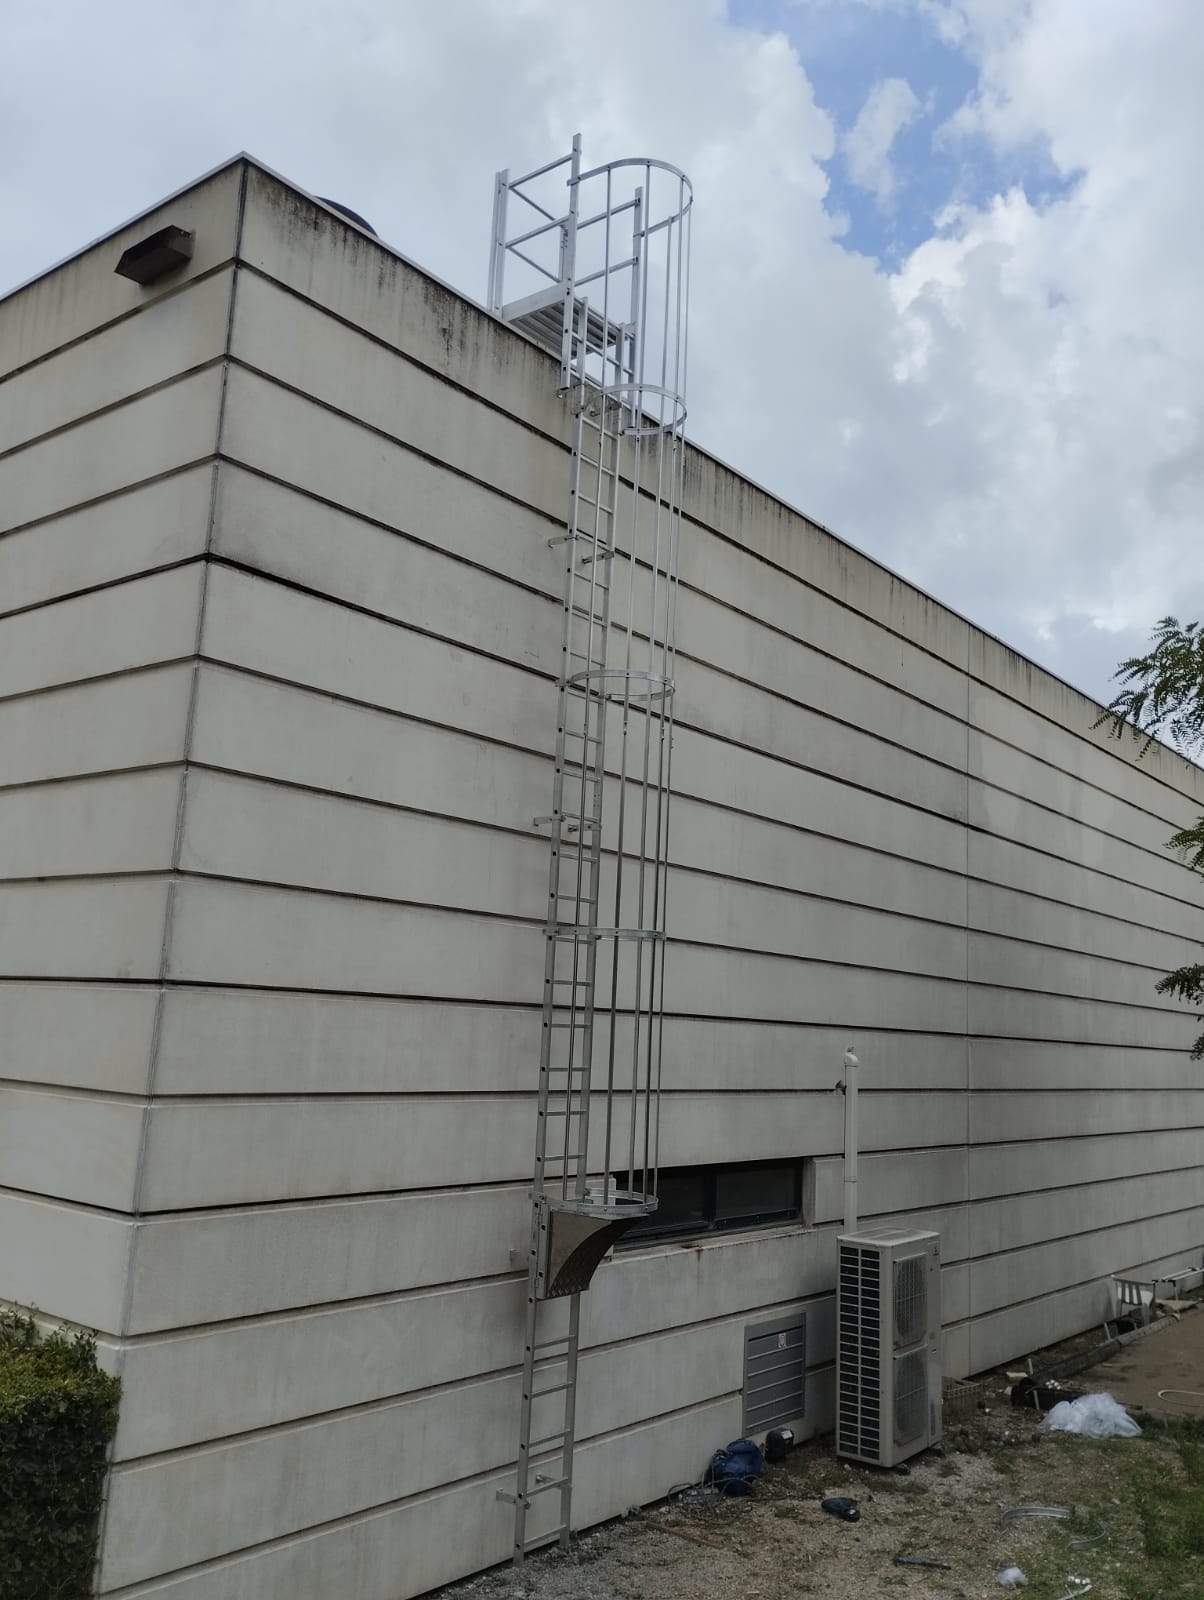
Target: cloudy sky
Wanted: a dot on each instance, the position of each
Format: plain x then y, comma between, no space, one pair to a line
947,255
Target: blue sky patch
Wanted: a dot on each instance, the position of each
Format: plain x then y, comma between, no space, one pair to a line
845,50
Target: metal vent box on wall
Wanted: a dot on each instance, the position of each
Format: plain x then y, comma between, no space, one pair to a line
888,1339
775,1372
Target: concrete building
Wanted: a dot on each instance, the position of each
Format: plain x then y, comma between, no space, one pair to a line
278,638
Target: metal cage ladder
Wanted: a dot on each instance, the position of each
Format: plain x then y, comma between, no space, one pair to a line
601,259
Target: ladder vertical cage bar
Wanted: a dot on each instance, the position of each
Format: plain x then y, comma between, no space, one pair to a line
611,441
599,706
570,586
501,194
676,490
645,210
641,782
671,654
606,290
650,714
654,712
666,447
637,277
640,290
621,844
552,946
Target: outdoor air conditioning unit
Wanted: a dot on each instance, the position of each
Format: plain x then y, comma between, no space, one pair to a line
888,1345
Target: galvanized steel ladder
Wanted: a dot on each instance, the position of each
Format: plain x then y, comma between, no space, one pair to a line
625,427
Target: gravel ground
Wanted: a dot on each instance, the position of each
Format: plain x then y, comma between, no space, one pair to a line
780,1544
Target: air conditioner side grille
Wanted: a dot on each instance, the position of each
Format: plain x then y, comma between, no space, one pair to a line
911,1300
911,1396
859,1352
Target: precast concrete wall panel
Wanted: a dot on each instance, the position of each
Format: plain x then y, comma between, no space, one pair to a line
279,635
158,525
124,723
110,396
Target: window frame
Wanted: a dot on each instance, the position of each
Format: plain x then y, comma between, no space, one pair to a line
712,1224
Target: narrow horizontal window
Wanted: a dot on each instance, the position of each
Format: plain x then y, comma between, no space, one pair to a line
699,1200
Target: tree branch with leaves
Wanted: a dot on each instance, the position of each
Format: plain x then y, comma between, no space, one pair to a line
1163,700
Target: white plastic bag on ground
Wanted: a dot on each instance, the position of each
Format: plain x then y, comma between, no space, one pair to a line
1097,1416
1011,1578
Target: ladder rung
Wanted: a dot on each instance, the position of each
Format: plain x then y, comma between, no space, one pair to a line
543,1540
555,1388
546,1344
548,1483
549,1438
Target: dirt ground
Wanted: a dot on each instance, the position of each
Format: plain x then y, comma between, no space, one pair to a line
1143,1494
1171,1359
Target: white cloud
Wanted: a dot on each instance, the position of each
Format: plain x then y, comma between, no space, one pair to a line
1013,418
1069,332
890,106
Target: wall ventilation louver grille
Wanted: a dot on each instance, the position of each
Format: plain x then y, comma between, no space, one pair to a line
775,1372
860,1354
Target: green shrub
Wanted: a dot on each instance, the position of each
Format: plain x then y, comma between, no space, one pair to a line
58,1414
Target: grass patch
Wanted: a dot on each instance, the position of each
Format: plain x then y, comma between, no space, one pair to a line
1171,1513
1154,1548
1192,1456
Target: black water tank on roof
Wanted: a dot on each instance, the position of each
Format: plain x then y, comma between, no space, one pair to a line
348,212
